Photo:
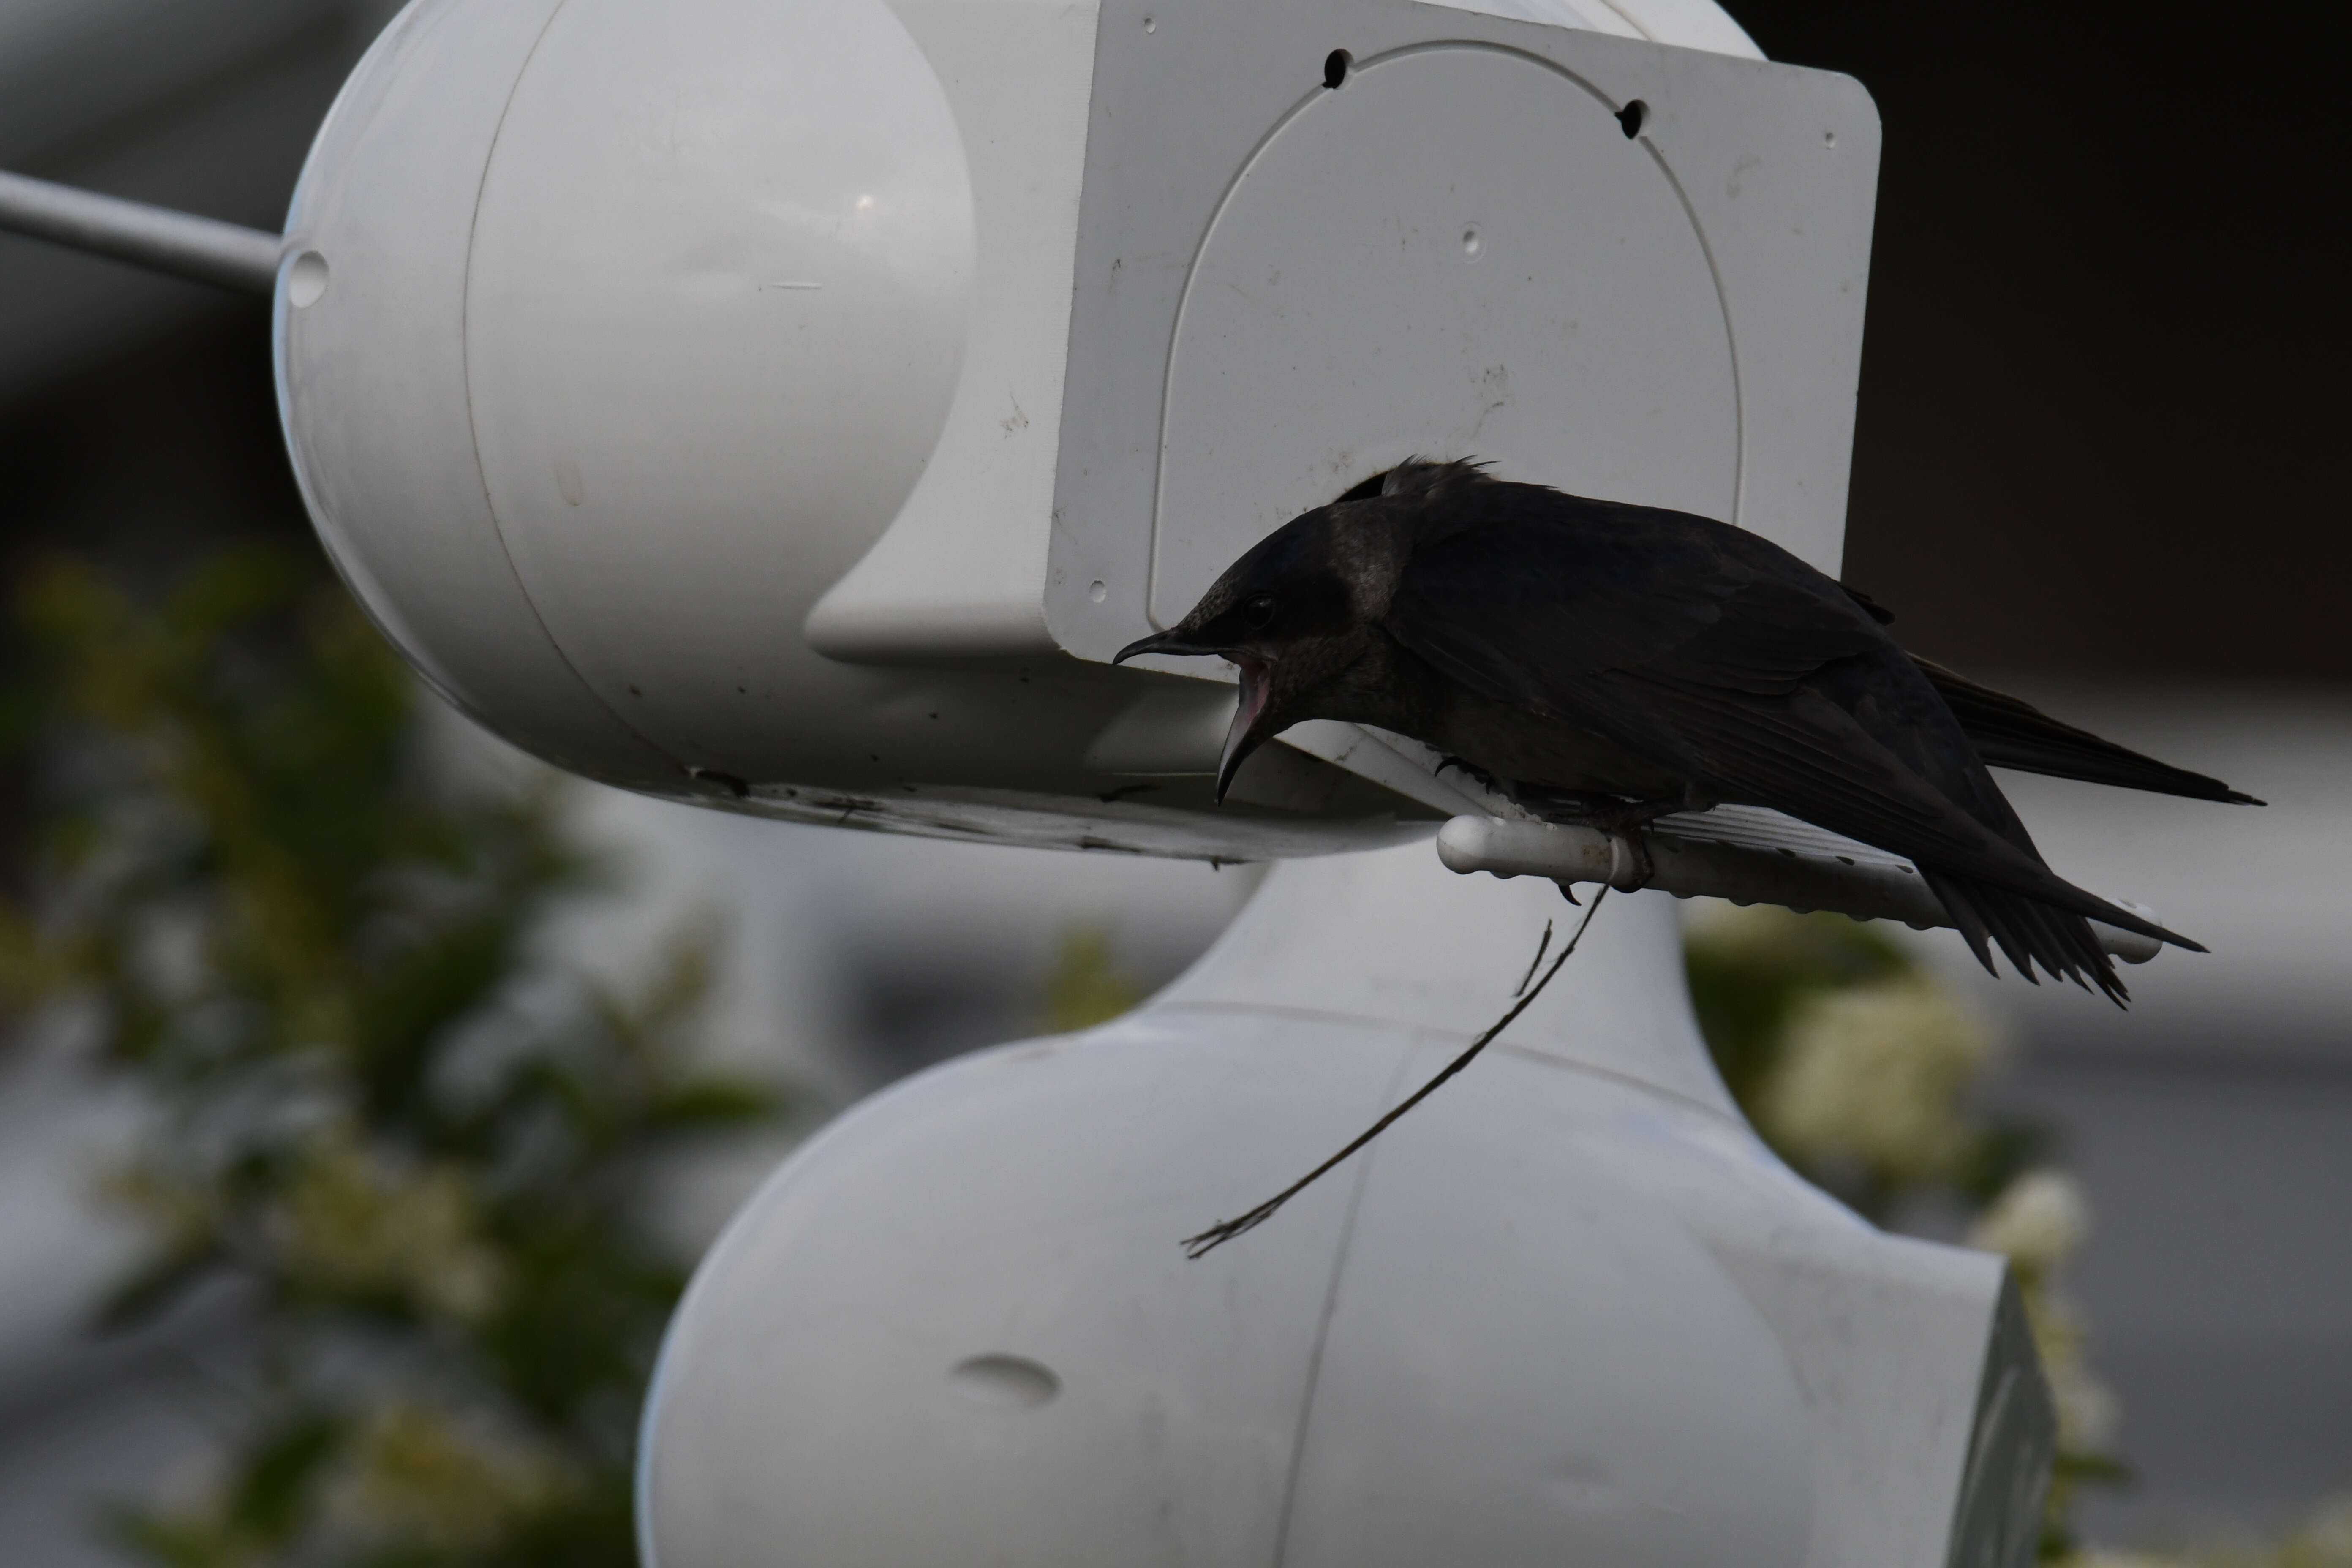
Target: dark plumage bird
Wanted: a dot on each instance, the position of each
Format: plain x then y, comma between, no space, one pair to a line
1610,664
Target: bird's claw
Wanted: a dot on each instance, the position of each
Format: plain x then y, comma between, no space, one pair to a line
1472,772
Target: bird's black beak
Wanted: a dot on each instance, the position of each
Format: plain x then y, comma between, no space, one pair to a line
1167,643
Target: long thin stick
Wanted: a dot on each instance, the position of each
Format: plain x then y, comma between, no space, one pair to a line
1541,948
1217,1235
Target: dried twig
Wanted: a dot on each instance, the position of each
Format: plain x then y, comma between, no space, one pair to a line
1217,1235
1533,964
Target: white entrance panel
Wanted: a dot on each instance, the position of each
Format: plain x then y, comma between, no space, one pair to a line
1459,253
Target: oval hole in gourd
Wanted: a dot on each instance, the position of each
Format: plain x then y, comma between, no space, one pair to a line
306,280
1007,1381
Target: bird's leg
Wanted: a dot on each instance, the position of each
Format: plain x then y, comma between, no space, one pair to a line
1628,824
1637,849
1615,816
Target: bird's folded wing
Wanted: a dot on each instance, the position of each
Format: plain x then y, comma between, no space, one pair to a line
1806,755
1533,606
1684,646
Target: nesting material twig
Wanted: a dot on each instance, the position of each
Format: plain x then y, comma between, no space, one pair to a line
1534,964
1217,1235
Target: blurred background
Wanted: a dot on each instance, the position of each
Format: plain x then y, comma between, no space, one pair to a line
2098,462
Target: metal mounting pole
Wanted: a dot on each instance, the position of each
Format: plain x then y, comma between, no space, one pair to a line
225,254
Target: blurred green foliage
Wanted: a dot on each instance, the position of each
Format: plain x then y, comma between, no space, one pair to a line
1086,985
1859,1067
429,1156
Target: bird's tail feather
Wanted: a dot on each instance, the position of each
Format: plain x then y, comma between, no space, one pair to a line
2028,933
2009,733
2025,877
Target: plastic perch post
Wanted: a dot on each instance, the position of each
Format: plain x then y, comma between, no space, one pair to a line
206,250
1867,885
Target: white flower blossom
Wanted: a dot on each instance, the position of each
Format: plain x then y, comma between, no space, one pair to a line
420,1474
1881,1075
2037,1223
353,1220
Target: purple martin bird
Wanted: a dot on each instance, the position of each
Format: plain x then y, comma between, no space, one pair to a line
1611,664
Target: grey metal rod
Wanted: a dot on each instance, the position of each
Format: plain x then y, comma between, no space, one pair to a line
225,254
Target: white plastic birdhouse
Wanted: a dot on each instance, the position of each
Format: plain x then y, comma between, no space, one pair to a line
797,404
792,405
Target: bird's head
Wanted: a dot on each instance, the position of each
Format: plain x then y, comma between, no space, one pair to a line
1287,614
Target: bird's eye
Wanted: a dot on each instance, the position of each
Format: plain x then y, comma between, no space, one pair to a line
1259,612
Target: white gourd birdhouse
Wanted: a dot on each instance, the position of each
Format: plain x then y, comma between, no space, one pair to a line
790,405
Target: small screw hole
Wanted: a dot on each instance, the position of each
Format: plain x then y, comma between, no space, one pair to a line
1150,26
1828,138
1633,117
1335,67
1472,242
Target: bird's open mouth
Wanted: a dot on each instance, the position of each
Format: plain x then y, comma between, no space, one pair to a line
1243,738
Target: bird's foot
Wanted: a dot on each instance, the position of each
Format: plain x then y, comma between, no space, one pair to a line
1622,820
1472,770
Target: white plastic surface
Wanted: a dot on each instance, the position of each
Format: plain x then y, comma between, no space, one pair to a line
1744,853
1566,1310
372,380
722,269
